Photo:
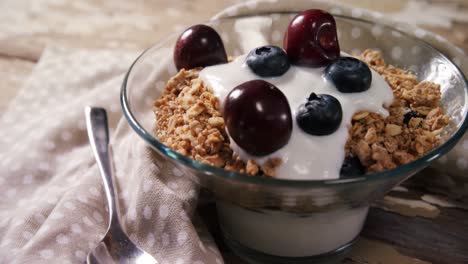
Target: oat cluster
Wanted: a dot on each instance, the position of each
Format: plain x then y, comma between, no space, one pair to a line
385,143
189,121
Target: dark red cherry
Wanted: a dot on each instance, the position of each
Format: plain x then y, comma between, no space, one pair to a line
311,39
258,117
199,46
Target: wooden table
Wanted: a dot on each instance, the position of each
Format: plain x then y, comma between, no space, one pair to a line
408,226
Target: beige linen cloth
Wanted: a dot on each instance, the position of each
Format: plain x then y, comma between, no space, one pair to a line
52,207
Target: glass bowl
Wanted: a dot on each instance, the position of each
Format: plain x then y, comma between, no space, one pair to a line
270,220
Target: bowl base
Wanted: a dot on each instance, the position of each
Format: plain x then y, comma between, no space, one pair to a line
256,257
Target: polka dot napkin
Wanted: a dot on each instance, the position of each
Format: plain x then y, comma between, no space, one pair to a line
52,205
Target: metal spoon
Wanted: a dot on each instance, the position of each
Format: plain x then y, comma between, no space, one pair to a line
116,246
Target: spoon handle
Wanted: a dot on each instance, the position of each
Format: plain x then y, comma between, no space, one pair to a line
98,133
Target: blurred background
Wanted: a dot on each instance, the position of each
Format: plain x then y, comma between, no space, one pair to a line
27,26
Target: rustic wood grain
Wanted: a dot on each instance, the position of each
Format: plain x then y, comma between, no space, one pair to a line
441,240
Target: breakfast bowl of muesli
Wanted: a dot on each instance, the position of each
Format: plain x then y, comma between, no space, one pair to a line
296,122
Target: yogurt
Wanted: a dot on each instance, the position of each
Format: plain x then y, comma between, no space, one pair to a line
304,157
288,235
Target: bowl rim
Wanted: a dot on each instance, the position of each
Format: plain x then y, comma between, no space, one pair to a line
213,171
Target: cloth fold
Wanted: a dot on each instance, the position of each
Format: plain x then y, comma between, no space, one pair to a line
53,206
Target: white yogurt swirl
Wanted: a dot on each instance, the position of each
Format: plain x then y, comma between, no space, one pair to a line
305,157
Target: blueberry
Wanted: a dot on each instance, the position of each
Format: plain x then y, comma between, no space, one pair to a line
349,75
268,61
321,115
352,167
407,117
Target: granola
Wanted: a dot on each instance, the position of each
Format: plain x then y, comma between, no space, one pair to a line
385,143
189,121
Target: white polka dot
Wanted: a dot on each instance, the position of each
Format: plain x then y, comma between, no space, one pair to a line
276,36
355,32
98,217
27,179
82,198
66,135
56,215
198,262
76,228
397,52
182,237
163,211
356,12
69,205
46,253
177,172
133,237
165,239
22,202
150,238
132,214
27,235
377,30
415,50
49,145
147,185
147,212
184,216
172,185
80,255
45,228
420,33
11,192
44,166
218,261
62,239
192,193
336,11
40,218
87,221
462,163
94,191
